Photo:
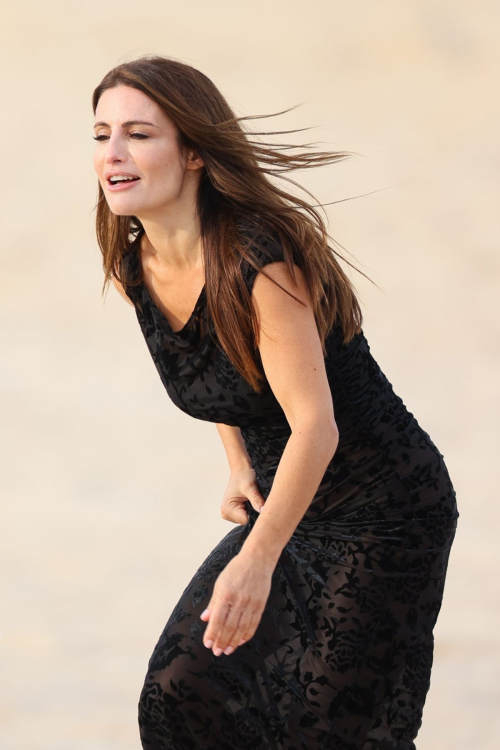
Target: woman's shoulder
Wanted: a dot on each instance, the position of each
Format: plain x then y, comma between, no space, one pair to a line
264,240
264,245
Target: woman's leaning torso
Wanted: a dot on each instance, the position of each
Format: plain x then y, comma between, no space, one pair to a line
385,461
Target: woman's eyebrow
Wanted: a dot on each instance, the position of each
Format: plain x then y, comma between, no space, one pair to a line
127,124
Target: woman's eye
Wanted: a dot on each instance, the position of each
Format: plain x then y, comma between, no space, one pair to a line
132,135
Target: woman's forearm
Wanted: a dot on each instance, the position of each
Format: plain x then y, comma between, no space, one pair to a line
234,446
306,456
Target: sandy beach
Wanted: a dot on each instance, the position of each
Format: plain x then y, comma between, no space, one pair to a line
106,516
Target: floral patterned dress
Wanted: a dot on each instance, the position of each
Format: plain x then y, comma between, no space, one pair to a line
342,656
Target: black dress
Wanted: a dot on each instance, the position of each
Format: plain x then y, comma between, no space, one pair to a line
342,656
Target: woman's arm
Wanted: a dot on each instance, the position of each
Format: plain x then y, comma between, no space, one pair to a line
234,445
293,362
294,365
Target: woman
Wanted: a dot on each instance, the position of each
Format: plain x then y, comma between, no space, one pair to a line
310,625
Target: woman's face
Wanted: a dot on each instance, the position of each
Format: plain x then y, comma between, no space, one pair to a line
165,180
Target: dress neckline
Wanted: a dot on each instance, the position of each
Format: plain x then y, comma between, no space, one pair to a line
136,247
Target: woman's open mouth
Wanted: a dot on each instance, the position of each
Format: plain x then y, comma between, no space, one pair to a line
121,183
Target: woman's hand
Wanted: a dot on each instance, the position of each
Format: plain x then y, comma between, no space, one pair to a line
238,601
241,487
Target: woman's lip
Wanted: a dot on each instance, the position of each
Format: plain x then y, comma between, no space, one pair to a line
122,185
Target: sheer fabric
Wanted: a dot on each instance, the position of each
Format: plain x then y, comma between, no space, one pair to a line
342,656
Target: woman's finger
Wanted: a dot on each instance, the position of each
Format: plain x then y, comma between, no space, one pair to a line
256,499
234,511
230,634
239,515
219,610
205,615
249,623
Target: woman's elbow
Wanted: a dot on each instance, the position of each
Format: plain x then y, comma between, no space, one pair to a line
331,432
324,425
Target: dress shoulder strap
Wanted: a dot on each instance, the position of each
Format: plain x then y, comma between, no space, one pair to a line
266,247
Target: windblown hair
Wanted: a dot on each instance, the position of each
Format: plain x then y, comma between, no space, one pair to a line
234,185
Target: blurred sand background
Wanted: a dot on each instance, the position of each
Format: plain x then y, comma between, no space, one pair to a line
110,495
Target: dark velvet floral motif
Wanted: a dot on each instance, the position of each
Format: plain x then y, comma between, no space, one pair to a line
342,657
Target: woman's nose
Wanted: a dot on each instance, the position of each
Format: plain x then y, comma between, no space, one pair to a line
115,151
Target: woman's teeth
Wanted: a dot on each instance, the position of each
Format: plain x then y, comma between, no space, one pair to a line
114,180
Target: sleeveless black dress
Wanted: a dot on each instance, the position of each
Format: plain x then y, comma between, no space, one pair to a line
342,656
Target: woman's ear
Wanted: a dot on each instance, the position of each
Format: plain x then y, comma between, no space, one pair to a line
194,160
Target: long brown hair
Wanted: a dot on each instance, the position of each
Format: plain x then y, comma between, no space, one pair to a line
234,184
